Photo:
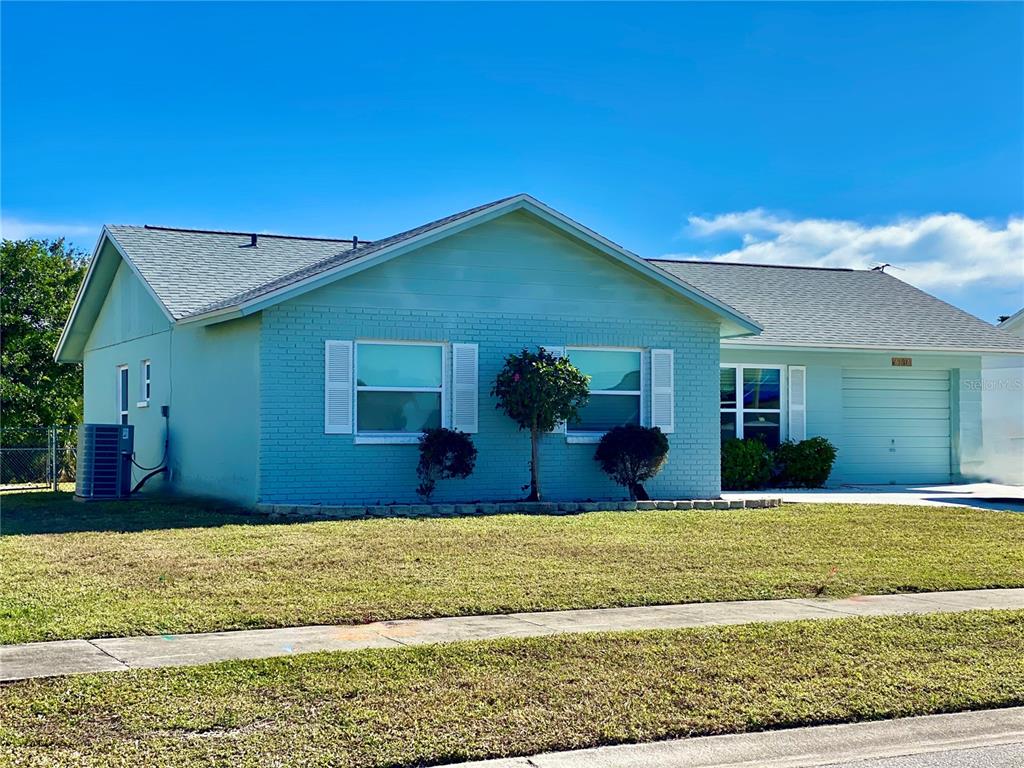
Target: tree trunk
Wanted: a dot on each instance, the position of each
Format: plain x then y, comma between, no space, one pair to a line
534,469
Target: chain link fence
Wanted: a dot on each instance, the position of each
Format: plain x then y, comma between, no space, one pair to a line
37,457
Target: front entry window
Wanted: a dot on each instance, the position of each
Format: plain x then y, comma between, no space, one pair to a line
751,403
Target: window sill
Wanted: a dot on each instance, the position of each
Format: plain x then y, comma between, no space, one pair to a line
386,439
583,439
142,404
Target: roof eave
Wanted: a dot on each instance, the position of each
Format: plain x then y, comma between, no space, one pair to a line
838,346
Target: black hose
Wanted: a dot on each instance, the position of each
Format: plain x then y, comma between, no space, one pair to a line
141,482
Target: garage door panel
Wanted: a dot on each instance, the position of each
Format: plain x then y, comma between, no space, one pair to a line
913,385
907,441
892,428
886,375
896,426
896,398
924,457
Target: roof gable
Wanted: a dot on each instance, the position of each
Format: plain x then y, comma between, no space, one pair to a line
734,323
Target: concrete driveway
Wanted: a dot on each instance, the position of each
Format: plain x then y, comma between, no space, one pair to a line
981,495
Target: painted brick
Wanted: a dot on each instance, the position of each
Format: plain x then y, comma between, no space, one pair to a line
299,464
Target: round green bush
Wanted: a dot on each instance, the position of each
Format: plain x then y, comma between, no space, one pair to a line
806,464
746,464
631,454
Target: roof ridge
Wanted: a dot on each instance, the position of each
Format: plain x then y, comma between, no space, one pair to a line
244,234
766,266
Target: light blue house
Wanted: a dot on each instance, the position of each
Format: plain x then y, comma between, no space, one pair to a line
301,370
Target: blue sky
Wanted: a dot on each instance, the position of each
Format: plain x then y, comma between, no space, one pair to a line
810,133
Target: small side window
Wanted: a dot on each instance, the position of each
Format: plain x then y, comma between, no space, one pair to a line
144,382
122,393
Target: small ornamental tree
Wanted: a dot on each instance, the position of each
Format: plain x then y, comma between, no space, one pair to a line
632,454
537,391
444,454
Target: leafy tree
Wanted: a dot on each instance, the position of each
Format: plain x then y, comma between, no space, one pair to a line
537,391
38,283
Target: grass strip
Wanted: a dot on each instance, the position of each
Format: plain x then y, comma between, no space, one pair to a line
146,567
435,704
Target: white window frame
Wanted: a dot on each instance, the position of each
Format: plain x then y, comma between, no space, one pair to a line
145,382
595,437
122,394
739,410
395,438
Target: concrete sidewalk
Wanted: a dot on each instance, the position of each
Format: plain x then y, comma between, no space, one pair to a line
71,657
991,738
993,496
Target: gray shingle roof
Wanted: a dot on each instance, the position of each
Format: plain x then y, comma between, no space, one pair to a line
839,307
276,282
189,270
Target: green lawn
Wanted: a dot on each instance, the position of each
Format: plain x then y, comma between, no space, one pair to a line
409,706
144,567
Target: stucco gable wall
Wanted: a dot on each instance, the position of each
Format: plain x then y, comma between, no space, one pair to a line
503,285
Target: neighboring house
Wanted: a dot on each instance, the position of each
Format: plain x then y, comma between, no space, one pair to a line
1002,407
301,370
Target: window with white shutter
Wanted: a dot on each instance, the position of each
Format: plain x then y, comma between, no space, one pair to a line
338,387
797,403
751,398
465,387
663,400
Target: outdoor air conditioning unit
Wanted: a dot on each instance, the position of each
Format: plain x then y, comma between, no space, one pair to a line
104,468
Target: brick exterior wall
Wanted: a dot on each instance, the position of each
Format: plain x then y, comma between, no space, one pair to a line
299,464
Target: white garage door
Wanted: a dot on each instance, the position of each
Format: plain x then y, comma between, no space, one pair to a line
896,426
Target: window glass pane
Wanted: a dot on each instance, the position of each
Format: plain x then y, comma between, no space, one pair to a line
399,365
603,412
608,369
398,411
124,389
727,387
728,426
760,388
762,425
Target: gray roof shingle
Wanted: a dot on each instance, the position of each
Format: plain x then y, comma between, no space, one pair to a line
189,270
804,306
273,283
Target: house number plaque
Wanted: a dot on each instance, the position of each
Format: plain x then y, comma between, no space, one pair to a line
902,362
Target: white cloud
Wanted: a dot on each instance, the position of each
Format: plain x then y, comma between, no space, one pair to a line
12,228
947,250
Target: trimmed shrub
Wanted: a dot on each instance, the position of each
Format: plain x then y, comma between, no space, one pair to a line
444,454
806,464
632,454
746,464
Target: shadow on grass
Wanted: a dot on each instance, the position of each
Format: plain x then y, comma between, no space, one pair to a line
47,512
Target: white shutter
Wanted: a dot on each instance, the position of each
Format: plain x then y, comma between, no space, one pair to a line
555,352
465,387
663,400
338,387
645,389
797,403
